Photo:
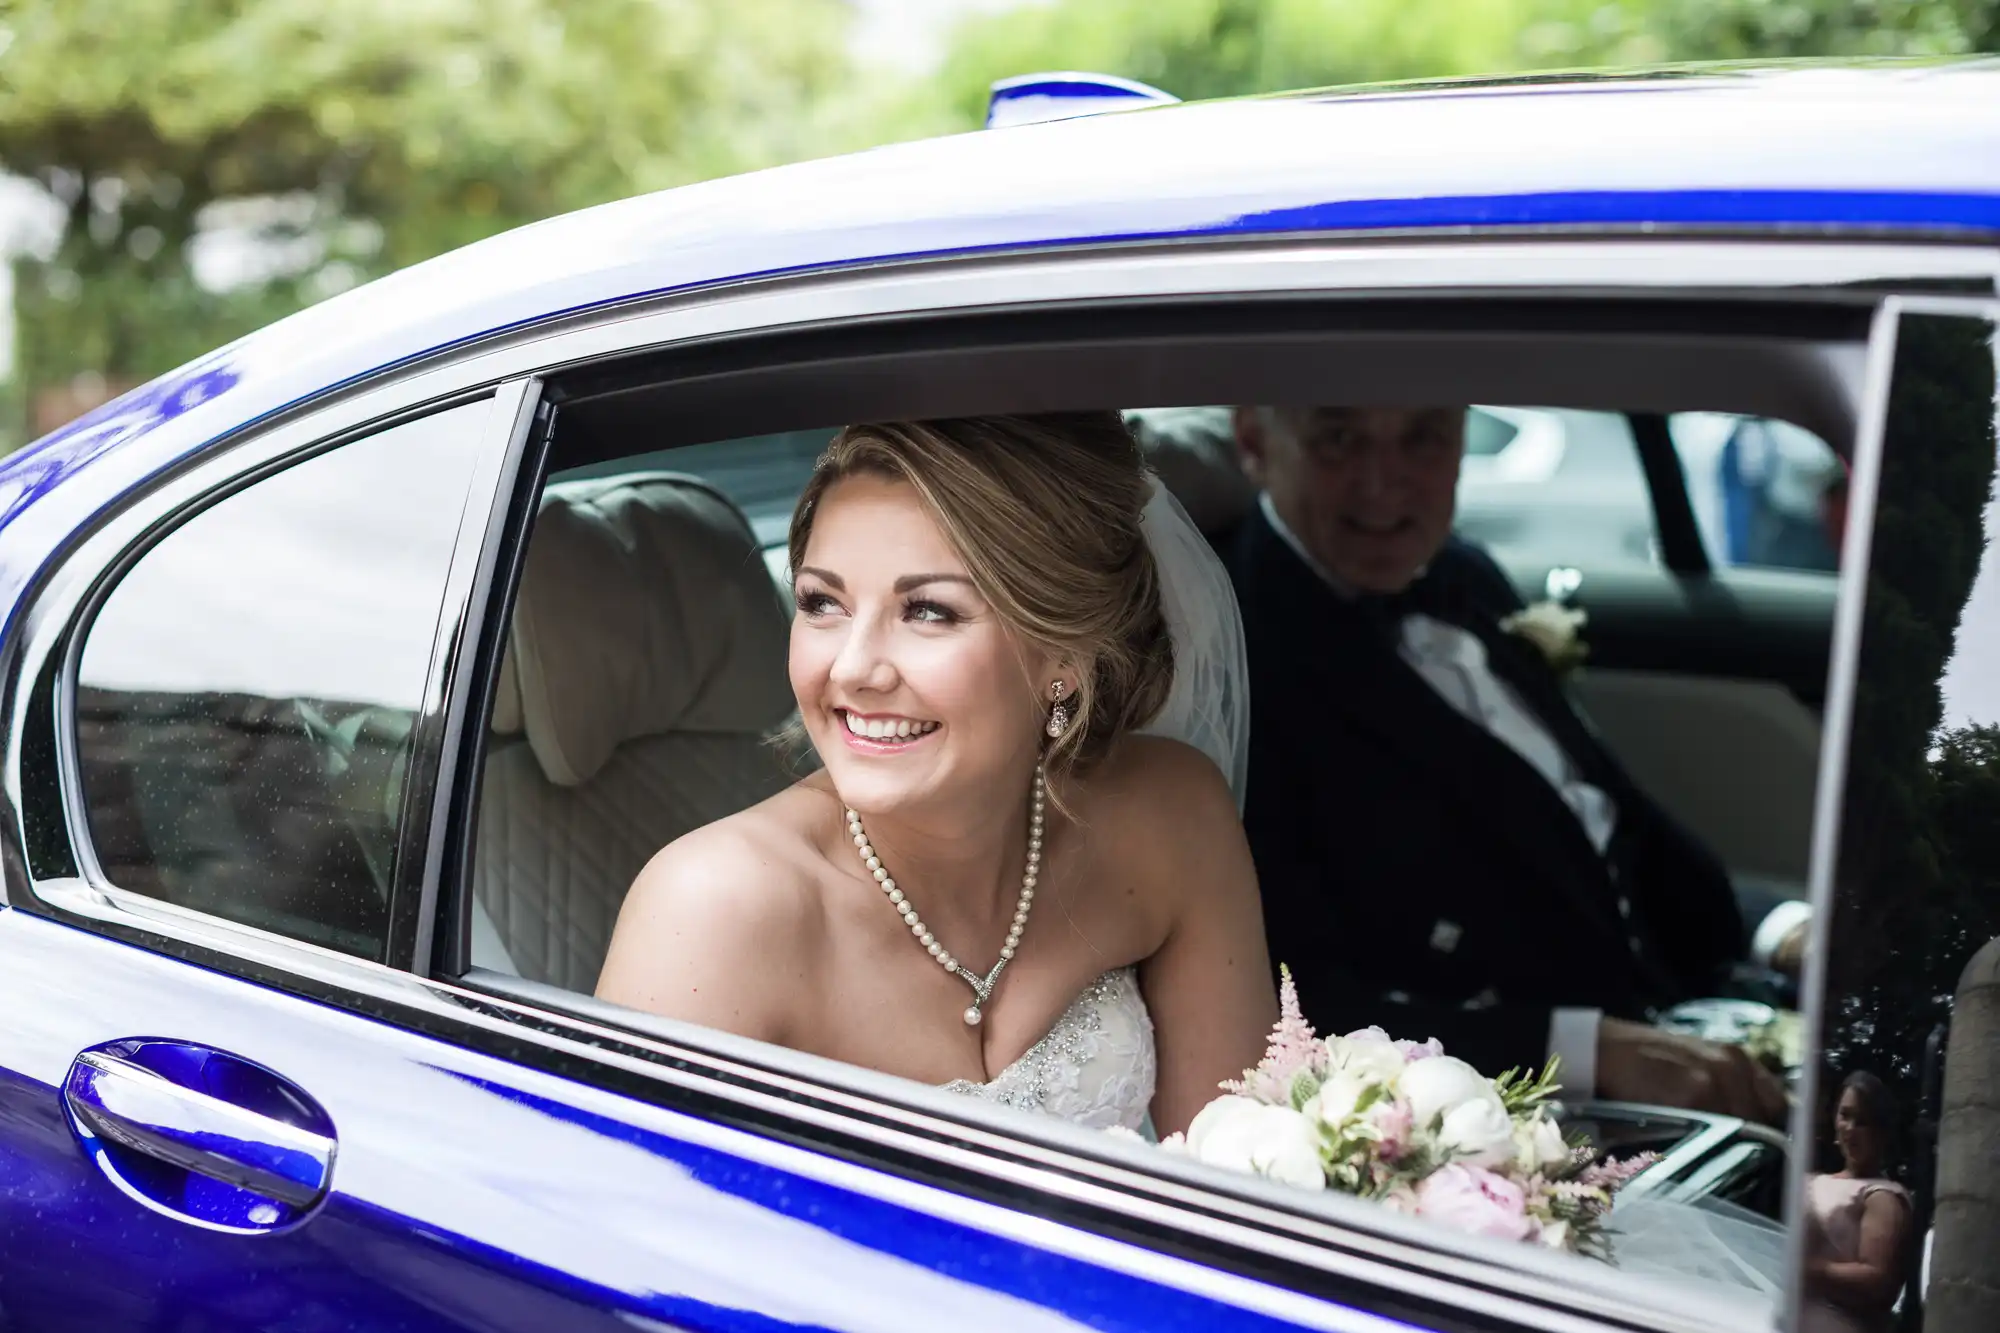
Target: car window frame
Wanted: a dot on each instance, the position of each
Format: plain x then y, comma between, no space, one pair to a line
901,1122
684,1045
1844,680
161,531
66,607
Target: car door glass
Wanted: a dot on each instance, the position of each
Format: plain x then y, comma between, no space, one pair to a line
1554,486
246,693
1765,493
1904,1119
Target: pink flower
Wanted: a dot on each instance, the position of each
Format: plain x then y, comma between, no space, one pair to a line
1291,1047
1420,1050
1401,1199
1611,1174
1392,1123
1474,1200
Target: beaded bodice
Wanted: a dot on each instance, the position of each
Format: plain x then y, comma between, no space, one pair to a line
1095,1067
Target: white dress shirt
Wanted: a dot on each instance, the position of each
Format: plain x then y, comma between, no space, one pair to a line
1452,661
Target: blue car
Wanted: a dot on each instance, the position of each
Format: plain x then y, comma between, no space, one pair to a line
344,695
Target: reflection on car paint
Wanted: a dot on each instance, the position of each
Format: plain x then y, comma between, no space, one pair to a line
636,1213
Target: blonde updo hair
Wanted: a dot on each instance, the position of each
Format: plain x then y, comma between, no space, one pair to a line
1045,511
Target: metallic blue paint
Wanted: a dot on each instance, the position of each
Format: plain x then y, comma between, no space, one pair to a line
474,1193
1775,211
145,407
184,1118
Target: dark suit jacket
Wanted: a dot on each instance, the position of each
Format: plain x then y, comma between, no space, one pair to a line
1416,872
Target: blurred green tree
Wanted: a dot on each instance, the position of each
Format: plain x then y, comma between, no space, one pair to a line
1222,48
351,139
1760,29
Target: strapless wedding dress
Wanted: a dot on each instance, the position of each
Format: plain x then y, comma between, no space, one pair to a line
1095,1067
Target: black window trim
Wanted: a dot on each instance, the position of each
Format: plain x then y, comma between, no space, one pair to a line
426,827
1682,551
515,496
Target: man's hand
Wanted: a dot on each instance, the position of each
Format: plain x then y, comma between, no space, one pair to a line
1636,1063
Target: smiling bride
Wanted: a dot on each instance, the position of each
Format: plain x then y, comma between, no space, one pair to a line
995,883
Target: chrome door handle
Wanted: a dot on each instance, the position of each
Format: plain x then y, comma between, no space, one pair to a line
143,1111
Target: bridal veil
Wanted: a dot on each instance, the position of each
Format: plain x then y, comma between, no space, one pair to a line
1209,704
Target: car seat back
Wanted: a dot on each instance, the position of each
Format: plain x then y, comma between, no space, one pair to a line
645,667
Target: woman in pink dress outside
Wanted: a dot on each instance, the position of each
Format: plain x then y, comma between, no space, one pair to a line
1858,1220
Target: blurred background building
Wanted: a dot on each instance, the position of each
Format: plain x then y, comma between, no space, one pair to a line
174,173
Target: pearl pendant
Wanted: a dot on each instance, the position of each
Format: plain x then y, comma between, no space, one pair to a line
900,901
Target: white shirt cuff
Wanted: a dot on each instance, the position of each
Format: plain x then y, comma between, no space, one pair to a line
1573,1040
1776,925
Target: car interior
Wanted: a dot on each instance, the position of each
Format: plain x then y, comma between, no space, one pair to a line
655,569
641,675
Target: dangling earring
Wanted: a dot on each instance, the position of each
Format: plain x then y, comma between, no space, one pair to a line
1060,714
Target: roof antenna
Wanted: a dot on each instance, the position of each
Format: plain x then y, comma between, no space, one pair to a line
1030,99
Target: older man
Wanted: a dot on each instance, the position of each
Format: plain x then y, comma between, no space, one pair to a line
1444,846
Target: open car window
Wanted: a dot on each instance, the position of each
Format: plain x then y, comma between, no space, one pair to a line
603,744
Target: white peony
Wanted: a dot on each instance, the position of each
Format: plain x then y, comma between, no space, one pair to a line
1478,1131
1538,1145
1338,1098
1368,1055
1435,1086
1555,631
1244,1135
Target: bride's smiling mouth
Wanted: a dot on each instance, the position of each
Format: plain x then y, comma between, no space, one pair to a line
883,733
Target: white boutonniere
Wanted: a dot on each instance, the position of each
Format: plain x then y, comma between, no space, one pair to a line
1555,631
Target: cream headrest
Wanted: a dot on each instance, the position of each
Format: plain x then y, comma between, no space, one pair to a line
645,608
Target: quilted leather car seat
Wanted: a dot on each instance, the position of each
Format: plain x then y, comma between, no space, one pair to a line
645,667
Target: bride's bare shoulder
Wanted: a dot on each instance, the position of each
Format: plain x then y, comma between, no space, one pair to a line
1158,792
742,886
757,863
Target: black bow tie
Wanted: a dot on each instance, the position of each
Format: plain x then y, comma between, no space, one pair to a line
1427,595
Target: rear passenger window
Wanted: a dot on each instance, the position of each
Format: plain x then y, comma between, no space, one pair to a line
1765,493
246,694
1564,486
1555,486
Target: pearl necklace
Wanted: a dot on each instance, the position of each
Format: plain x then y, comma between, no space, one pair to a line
982,987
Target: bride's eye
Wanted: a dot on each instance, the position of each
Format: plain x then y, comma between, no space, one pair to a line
816,604
930,613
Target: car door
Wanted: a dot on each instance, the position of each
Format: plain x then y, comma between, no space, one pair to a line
224,1104
296,1107
1909,953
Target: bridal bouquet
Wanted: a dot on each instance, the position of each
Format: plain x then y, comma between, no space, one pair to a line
1405,1124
